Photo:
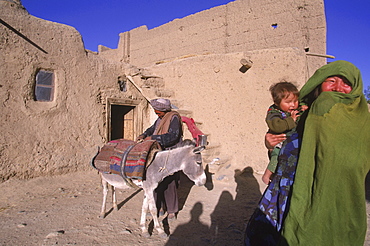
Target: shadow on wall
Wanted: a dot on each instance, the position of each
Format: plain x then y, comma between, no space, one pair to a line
228,220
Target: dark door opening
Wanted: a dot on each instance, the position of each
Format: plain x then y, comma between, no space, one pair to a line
122,122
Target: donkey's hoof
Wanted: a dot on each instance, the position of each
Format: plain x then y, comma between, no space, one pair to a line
163,235
145,234
101,216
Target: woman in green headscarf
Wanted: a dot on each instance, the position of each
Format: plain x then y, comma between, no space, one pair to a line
327,205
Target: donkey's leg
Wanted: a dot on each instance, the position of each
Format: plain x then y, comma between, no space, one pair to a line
105,193
114,199
153,211
144,210
149,202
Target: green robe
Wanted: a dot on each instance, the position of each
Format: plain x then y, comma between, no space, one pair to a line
328,204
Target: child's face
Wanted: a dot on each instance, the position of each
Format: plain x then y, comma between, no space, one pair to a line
289,103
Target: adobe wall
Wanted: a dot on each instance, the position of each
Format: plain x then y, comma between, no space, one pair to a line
44,138
198,58
238,26
194,61
230,104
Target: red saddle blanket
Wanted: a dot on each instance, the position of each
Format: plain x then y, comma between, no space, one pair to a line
126,157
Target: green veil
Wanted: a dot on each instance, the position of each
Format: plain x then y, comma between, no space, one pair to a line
328,204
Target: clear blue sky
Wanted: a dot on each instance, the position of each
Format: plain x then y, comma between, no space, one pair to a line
101,21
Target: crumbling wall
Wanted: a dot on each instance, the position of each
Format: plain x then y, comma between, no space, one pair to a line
199,57
194,61
238,26
43,138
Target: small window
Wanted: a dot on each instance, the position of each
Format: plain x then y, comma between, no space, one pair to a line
44,89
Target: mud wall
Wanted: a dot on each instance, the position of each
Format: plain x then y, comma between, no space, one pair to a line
44,138
194,61
230,103
239,26
198,58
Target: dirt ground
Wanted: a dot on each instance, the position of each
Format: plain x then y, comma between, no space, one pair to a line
64,210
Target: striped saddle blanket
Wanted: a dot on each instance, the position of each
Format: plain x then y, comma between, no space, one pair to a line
126,157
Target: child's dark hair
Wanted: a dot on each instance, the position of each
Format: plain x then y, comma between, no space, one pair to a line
281,90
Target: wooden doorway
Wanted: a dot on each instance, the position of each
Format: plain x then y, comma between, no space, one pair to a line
122,119
122,122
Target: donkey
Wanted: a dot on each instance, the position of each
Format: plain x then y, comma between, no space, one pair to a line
186,158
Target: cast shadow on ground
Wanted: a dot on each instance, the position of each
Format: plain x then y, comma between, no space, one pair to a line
186,184
119,205
183,191
192,233
229,218
129,198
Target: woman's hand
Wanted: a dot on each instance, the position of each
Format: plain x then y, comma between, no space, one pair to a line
271,139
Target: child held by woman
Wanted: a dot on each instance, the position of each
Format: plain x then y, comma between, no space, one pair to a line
281,117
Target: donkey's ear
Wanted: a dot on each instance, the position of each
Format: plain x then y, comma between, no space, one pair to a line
199,149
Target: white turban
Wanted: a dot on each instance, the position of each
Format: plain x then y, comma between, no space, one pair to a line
161,104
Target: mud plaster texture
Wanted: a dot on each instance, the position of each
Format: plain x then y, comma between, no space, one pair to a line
58,136
194,61
63,210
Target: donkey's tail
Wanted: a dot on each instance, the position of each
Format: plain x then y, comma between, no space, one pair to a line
93,159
